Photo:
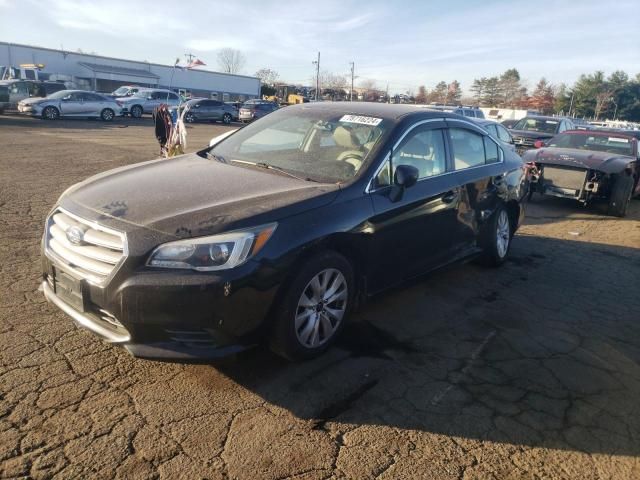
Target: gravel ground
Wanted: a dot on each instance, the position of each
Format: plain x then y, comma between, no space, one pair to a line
527,371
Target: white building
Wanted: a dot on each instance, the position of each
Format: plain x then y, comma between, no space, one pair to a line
105,74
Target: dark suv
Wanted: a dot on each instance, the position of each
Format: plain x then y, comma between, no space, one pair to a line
530,129
252,111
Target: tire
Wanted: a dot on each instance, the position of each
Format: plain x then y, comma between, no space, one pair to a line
306,321
50,113
496,238
136,111
620,195
189,118
107,115
226,119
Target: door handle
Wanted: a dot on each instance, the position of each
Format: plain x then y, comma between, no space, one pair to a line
449,197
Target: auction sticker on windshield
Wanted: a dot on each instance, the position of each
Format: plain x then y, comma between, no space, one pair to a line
361,119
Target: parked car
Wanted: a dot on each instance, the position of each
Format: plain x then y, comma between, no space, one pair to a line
202,109
530,129
125,91
498,131
472,112
279,230
23,89
236,106
72,103
4,98
588,166
146,100
253,110
509,123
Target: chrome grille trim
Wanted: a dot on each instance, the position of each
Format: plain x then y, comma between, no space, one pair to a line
98,257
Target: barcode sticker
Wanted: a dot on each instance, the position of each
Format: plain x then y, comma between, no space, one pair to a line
360,119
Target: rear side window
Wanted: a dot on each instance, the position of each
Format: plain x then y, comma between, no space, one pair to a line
503,134
471,149
491,129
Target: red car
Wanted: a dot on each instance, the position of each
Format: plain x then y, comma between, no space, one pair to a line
588,166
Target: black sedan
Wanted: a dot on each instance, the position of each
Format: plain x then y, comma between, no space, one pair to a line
279,230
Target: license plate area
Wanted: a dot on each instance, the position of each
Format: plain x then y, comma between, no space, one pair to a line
68,288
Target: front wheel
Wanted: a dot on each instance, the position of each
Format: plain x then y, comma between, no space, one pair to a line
107,115
189,118
314,307
226,119
496,238
620,195
136,111
50,113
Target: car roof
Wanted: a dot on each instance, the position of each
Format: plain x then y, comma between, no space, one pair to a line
483,121
389,111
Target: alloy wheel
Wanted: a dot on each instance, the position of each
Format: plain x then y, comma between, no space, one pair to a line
503,234
321,307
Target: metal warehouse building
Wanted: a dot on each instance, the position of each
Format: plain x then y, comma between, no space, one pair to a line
105,74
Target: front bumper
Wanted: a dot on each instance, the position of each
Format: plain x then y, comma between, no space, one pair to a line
171,315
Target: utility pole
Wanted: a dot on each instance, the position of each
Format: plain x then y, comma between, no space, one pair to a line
571,103
353,67
317,64
190,56
387,94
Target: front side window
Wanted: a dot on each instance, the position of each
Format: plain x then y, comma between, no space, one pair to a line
424,149
323,146
470,149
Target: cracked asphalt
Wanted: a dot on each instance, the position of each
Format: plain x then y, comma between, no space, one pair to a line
528,371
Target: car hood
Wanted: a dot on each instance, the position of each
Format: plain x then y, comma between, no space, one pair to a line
32,101
192,196
570,157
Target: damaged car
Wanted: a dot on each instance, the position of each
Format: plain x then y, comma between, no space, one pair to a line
278,231
589,166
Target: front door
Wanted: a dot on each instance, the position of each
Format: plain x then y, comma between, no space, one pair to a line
415,232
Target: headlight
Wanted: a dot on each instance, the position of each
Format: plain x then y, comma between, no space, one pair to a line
217,252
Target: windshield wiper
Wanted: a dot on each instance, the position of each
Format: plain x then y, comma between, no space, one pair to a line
217,158
267,166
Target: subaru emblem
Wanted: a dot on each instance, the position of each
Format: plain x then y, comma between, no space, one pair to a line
75,235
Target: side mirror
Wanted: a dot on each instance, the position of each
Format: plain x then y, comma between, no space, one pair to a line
538,144
404,177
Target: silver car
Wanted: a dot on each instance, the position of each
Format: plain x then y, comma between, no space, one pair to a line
497,131
146,100
71,103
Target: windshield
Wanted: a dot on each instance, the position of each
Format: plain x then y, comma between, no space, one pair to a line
322,146
121,91
600,143
537,125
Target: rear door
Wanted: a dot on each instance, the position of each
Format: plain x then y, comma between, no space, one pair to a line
93,104
477,164
414,233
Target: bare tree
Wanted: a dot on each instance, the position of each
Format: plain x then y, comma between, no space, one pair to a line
231,60
267,76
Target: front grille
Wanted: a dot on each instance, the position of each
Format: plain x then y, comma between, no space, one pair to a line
569,178
527,142
97,254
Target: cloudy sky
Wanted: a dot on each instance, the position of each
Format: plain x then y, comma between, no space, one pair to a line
403,43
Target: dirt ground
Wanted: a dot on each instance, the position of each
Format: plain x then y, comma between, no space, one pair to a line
529,371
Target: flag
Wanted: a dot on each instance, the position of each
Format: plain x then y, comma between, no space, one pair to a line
195,63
